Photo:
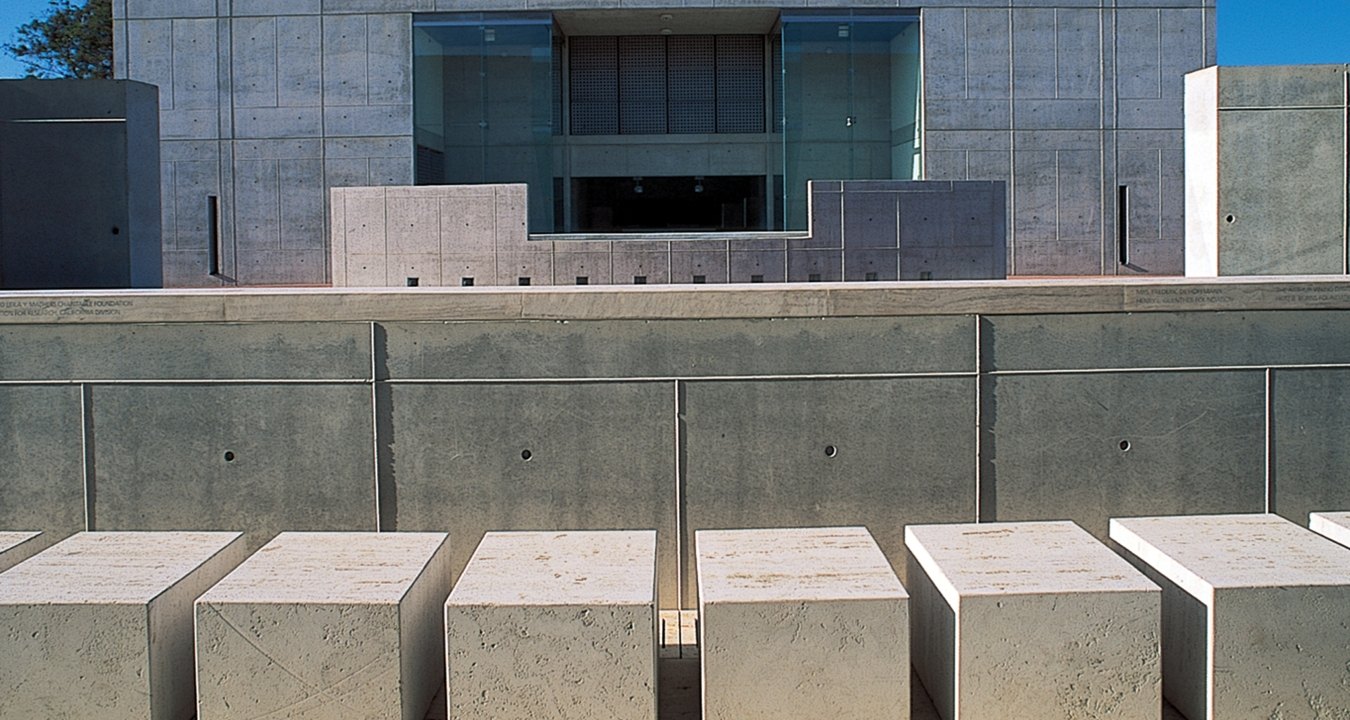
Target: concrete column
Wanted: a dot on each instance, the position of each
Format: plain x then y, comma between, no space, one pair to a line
100,625
801,623
1331,525
555,625
326,625
15,547
1254,614
1031,620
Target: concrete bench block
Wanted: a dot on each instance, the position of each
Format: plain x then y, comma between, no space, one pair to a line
801,623
100,624
1335,526
1254,614
555,625
1032,620
15,547
326,625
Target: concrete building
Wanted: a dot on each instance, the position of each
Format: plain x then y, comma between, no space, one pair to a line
79,185
1266,160
624,116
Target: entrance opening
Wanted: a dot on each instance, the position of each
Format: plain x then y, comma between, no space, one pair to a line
669,204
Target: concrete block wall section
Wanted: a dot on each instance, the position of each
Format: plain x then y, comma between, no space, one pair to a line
1266,171
678,408
268,105
462,235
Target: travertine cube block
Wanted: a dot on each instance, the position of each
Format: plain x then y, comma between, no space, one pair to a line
1334,526
326,625
557,625
99,626
15,547
1032,620
801,623
1256,615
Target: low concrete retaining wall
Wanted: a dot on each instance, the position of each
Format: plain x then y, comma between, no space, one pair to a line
675,408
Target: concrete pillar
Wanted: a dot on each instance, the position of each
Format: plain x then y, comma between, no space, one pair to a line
100,624
15,547
1335,526
801,623
1030,620
1254,614
557,625
326,625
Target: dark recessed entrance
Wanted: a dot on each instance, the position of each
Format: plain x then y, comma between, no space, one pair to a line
668,204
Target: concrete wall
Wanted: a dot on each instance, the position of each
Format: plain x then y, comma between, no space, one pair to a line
79,184
675,408
268,105
476,235
1266,160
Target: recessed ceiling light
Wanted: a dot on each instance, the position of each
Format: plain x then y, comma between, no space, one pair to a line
665,31
667,17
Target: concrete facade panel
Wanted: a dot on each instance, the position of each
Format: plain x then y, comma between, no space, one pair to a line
459,465
1311,414
814,454
1156,444
42,485
258,457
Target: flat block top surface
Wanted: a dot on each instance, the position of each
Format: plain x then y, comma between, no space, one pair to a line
1334,525
749,566
110,567
610,567
337,567
11,540
1203,552
1019,558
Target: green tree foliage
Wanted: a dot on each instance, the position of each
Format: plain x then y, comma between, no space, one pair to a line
72,40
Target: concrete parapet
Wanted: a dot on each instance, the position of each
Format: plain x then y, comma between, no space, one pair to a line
555,624
100,625
1028,620
1335,526
15,547
801,623
326,625
1253,614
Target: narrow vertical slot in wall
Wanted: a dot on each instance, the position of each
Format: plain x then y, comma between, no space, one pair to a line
1123,225
213,228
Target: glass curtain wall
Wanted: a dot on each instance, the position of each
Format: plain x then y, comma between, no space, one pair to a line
485,103
850,105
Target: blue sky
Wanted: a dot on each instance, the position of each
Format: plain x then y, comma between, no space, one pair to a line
1251,32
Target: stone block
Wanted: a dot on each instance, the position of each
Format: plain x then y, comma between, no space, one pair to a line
1031,620
801,623
15,547
100,625
1254,614
1335,526
319,625
555,624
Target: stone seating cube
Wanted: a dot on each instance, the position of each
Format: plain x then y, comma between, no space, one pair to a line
1030,620
1333,526
326,625
15,547
558,625
100,624
803,623
1256,614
